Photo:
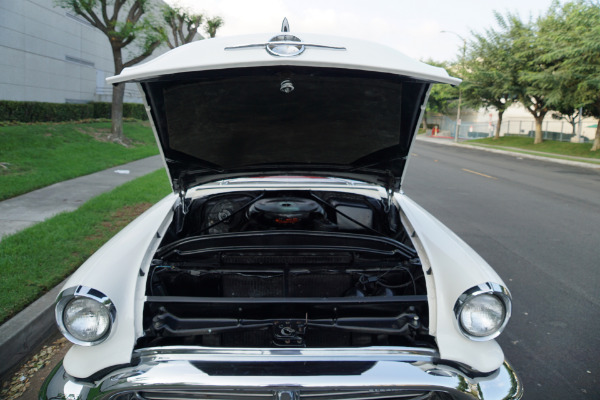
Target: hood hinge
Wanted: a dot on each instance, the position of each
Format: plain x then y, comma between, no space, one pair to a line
183,205
182,191
389,188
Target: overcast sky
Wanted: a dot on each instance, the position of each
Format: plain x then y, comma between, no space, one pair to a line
412,26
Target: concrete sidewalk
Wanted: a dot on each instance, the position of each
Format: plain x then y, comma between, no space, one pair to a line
26,331
20,212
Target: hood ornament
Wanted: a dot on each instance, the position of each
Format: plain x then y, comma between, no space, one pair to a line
285,25
285,45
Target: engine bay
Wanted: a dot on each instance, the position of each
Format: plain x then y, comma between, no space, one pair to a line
286,269
260,211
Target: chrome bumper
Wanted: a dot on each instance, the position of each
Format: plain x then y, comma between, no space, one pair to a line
285,374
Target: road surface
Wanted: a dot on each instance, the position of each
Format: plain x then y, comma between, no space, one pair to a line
538,224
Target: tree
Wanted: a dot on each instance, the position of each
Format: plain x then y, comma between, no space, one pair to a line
531,76
183,25
123,24
212,24
489,77
442,97
565,111
574,32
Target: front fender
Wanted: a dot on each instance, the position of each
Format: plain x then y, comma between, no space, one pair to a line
455,268
117,270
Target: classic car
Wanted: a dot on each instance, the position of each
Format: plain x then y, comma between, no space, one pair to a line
287,263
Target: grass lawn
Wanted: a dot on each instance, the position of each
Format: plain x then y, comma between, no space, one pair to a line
561,149
37,155
38,258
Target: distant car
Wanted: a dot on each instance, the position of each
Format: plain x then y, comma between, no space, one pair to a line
287,264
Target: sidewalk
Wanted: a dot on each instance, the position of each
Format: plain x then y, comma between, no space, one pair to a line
23,333
22,211
532,154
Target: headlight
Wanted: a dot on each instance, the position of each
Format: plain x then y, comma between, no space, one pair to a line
85,316
483,311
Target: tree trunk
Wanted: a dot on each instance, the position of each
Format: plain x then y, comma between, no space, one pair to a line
596,145
538,129
118,93
497,133
425,122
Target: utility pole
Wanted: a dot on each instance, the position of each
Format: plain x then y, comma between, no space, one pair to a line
462,63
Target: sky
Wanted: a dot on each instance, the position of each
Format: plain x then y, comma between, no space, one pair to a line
411,26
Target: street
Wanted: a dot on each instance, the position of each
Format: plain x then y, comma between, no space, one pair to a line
538,225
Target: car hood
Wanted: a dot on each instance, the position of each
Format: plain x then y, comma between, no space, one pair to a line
264,105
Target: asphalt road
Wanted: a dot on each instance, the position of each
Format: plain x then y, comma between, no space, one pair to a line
538,224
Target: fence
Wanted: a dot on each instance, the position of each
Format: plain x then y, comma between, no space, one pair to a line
468,130
559,130
552,129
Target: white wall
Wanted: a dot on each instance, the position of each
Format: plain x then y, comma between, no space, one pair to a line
517,119
49,54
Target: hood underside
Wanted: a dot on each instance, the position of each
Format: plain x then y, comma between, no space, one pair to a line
279,120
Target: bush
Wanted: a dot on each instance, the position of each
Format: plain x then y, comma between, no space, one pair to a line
33,111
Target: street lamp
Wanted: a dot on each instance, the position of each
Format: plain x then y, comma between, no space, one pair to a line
462,61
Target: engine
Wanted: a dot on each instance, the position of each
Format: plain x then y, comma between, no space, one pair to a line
291,269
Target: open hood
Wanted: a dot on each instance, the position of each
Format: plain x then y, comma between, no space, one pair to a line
250,106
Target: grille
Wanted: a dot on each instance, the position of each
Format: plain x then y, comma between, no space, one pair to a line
283,394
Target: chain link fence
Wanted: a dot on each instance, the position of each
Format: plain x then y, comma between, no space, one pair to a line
552,129
444,126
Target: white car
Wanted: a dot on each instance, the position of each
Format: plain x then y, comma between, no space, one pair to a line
287,263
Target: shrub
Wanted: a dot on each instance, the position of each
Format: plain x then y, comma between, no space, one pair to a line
33,111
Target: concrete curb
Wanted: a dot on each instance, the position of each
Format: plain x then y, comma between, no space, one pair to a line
24,332
445,142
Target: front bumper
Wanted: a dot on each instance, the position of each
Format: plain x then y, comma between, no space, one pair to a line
286,374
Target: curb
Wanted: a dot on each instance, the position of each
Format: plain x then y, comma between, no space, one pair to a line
512,153
24,332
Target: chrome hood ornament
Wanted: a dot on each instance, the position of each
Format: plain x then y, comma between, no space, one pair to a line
285,45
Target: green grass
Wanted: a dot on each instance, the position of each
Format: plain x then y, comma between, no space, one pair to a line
562,150
37,155
38,258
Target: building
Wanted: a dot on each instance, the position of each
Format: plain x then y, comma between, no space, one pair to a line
515,121
50,54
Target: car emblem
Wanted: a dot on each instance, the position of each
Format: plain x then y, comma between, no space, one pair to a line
285,45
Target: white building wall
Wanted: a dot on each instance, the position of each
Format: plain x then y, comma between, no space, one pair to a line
517,120
49,54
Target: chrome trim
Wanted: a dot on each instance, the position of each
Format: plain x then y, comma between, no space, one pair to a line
188,377
233,354
495,289
83,291
251,45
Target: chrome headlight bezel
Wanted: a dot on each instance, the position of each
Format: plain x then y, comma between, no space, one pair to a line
67,295
488,288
